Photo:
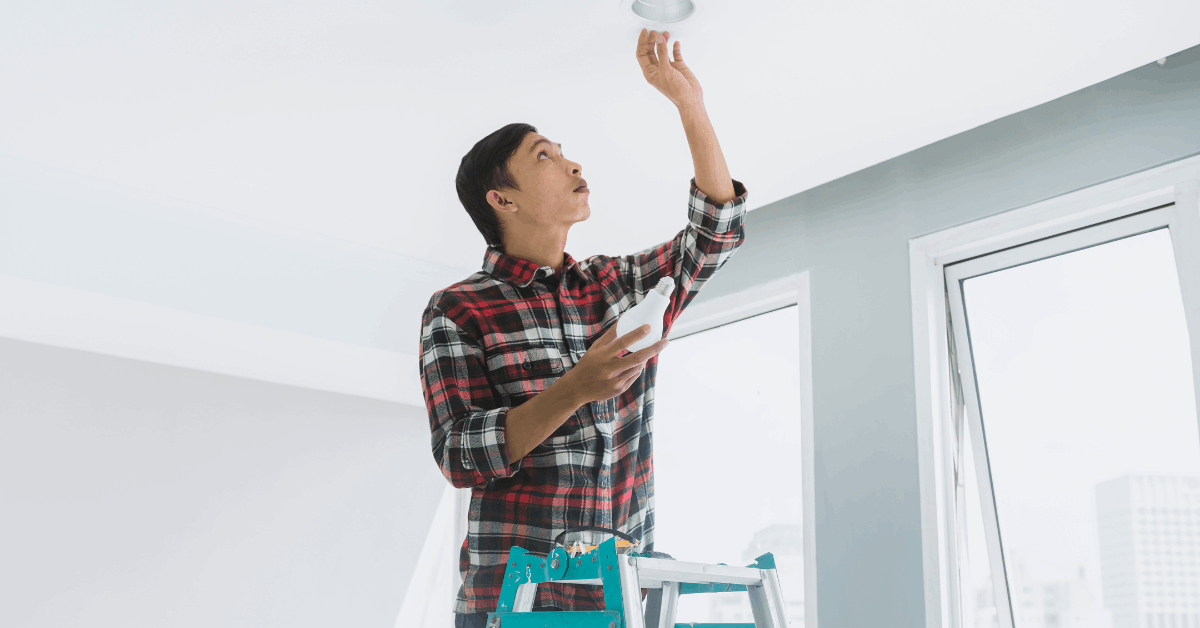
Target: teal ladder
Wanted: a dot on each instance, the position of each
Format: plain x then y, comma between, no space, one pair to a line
623,577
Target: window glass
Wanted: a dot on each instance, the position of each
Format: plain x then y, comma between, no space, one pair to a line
979,594
1089,414
727,457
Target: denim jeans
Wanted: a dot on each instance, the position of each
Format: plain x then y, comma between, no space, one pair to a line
470,620
479,620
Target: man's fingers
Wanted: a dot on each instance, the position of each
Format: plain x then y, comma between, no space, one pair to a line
645,51
624,341
606,338
627,382
644,354
622,374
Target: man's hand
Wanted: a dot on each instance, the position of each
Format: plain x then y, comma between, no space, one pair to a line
672,78
602,373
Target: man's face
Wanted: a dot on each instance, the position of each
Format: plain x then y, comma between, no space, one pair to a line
547,198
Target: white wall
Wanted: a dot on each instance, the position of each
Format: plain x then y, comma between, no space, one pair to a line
135,494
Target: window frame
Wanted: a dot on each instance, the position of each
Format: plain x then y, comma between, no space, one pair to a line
939,262
1168,216
792,289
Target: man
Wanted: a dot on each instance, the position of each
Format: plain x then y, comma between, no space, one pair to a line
532,402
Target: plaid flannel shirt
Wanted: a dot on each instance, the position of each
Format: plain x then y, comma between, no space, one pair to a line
496,339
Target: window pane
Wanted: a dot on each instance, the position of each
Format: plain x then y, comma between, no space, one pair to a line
727,457
979,594
1085,385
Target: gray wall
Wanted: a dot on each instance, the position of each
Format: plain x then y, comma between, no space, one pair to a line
852,236
136,494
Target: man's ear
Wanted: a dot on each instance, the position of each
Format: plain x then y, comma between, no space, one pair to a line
499,202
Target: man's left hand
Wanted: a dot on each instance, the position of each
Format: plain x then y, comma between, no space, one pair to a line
672,78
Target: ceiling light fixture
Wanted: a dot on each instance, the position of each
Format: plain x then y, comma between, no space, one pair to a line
660,11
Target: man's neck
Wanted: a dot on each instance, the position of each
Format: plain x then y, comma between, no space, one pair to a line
548,252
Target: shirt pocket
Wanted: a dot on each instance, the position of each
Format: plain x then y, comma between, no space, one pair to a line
520,373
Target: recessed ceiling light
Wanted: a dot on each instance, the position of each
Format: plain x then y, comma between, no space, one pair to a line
661,11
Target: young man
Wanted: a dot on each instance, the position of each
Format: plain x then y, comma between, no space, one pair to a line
531,401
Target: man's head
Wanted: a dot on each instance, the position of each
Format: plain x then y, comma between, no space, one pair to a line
516,181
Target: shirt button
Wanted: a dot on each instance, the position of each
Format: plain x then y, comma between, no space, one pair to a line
525,366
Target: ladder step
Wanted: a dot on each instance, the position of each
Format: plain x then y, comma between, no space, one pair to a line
693,587
556,619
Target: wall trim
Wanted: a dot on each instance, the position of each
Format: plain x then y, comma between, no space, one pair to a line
76,319
758,299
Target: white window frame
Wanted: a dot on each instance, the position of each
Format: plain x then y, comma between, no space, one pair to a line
788,290
1076,218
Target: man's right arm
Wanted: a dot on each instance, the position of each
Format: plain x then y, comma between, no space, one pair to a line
535,420
602,373
474,439
467,424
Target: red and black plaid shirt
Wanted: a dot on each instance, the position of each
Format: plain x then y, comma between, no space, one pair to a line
496,339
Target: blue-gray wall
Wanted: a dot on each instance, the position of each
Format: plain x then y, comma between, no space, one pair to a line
852,236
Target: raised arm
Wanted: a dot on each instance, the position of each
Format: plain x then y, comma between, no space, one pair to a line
716,203
677,82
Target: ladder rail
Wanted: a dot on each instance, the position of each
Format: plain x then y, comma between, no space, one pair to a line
655,571
526,594
670,605
631,592
760,607
623,577
775,596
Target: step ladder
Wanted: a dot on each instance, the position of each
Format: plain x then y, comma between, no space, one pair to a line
623,577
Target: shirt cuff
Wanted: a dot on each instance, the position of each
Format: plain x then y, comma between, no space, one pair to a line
484,446
713,217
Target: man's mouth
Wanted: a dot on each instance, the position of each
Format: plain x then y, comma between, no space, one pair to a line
582,188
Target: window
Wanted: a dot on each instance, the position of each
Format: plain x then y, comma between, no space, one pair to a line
1078,385
727,457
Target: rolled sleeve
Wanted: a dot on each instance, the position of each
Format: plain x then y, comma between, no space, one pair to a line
482,443
467,425
714,231
715,220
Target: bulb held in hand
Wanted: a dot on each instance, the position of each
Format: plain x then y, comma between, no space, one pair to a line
650,312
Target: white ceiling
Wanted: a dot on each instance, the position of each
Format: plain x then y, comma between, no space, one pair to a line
348,119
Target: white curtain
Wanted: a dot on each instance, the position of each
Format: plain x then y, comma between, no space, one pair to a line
429,601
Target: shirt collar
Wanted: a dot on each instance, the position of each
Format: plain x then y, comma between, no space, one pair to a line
522,272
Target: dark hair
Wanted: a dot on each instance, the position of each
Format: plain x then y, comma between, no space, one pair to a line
485,167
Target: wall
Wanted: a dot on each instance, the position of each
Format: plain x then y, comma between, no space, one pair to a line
136,494
135,490
852,236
